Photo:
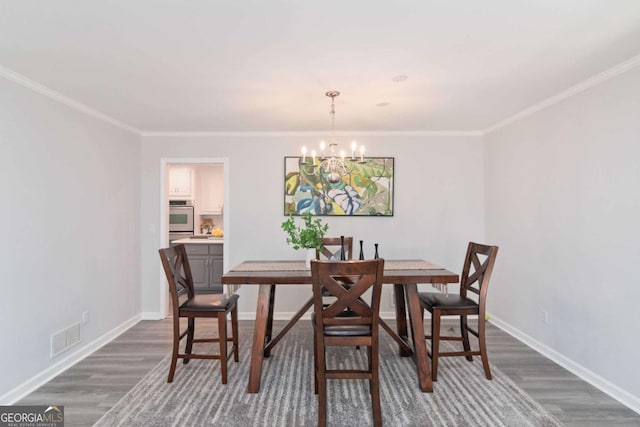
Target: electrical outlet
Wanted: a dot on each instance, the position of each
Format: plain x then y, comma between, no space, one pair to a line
85,317
545,316
392,300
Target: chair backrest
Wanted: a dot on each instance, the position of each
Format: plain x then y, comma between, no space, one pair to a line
364,275
331,248
178,272
482,259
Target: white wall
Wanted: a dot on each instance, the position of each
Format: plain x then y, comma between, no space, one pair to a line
69,188
563,203
438,202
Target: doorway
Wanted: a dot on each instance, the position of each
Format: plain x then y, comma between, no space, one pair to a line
196,181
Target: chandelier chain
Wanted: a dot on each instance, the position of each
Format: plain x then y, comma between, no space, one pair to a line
332,113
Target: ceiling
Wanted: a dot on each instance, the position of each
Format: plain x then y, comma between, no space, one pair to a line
264,65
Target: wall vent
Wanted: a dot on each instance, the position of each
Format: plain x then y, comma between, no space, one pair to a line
63,340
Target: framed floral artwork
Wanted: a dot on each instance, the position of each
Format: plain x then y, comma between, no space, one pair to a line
365,190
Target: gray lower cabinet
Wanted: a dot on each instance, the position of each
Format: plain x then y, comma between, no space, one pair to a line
206,266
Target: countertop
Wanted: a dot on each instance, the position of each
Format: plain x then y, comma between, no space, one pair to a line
209,241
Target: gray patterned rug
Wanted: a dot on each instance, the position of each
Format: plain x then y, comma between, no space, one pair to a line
462,396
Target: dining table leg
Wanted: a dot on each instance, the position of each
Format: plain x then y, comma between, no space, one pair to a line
417,334
259,334
401,317
272,303
270,343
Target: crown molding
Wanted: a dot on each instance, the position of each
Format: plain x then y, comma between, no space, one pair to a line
69,102
573,90
308,133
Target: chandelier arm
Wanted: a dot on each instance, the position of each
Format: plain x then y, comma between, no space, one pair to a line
309,169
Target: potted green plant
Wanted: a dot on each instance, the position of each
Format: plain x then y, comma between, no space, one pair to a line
309,236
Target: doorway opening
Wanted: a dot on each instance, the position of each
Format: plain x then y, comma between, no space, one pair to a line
194,202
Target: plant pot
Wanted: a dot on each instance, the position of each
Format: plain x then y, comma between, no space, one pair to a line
310,254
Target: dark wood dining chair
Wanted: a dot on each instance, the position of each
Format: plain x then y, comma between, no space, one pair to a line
331,247
482,259
186,303
332,328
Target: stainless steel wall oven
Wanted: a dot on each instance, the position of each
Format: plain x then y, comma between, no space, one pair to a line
180,216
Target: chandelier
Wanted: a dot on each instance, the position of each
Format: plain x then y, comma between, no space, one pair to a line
329,164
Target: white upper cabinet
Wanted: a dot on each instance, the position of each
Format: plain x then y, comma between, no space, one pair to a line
180,182
211,189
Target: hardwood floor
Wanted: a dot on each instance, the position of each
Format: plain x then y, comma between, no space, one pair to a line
91,387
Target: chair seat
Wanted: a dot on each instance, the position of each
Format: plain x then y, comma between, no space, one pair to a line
210,302
344,330
453,302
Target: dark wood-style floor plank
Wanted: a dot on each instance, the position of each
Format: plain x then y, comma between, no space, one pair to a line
91,387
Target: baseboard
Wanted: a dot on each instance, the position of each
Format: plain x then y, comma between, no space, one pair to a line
150,315
48,374
619,394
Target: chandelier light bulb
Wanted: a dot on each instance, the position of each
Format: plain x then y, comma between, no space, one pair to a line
362,153
353,149
304,154
313,155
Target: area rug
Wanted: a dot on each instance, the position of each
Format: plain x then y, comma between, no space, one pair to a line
462,396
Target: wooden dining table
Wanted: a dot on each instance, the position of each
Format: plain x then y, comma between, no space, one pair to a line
404,275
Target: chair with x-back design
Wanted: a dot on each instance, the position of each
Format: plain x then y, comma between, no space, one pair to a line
482,259
332,328
186,303
331,248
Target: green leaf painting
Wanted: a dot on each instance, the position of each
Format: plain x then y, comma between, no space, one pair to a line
367,190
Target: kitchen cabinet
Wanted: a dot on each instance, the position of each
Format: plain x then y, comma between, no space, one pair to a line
211,189
206,262
180,182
